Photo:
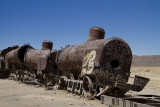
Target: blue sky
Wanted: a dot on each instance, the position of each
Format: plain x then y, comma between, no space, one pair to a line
67,22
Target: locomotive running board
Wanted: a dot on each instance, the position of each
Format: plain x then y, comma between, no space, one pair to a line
132,101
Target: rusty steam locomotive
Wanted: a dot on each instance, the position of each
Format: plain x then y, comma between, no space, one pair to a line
97,67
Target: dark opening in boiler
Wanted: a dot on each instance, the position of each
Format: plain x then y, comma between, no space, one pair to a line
22,53
55,66
114,64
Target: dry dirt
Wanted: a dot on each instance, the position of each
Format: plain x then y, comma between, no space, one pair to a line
153,87
15,94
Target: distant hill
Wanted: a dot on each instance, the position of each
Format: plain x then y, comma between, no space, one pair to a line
151,60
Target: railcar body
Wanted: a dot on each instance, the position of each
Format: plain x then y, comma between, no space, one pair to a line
110,58
41,60
28,63
3,71
15,58
97,67
102,64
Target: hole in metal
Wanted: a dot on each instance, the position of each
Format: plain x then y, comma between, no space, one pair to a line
114,64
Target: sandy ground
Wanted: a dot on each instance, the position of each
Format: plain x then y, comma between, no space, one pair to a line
15,94
153,87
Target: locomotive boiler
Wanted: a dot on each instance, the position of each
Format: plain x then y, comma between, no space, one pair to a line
14,62
42,62
40,59
15,59
28,64
3,71
103,65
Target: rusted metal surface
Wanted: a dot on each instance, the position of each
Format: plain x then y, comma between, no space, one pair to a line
47,45
31,58
3,72
41,60
15,58
5,51
96,33
3,54
28,64
98,67
48,64
132,101
106,61
110,58
90,59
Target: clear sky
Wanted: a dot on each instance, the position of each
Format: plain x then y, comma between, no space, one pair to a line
67,22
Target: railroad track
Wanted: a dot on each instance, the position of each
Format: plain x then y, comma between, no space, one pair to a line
131,101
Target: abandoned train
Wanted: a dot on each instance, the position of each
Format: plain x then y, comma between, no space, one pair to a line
97,67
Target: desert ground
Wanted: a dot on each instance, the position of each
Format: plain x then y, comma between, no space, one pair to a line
15,94
153,87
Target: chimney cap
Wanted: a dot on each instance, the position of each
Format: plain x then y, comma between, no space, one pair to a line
96,33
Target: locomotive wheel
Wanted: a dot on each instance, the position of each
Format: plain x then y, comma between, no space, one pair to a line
88,87
48,81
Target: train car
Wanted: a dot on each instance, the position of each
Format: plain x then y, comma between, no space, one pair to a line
14,61
103,65
3,72
28,64
97,67
15,58
42,62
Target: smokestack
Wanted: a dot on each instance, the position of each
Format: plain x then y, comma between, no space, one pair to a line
47,45
15,47
96,33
